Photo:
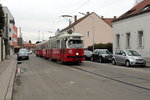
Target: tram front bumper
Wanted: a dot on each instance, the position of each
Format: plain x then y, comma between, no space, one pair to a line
78,59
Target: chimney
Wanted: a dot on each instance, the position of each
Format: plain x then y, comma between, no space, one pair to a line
75,18
102,17
115,17
87,13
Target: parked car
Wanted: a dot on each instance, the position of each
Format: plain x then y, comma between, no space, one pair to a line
128,58
87,54
101,55
30,52
23,54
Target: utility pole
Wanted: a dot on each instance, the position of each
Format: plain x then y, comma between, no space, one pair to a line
7,45
20,38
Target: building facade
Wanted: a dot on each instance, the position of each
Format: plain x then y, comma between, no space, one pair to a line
94,28
131,30
6,41
15,37
9,30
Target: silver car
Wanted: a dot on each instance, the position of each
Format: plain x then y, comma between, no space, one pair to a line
128,58
87,54
23,54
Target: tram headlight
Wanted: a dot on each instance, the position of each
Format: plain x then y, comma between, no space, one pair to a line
77,54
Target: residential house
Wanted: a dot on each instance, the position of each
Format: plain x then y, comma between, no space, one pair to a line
94,28
131,30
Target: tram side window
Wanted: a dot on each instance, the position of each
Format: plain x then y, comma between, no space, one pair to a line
58,44
63,44
54,44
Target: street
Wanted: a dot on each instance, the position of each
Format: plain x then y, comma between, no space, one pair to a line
41,79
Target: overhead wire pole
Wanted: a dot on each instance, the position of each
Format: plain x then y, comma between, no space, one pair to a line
6,38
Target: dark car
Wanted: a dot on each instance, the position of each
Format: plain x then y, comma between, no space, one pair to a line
23,54
101,55
87,54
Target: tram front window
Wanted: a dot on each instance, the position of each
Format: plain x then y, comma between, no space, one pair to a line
75,44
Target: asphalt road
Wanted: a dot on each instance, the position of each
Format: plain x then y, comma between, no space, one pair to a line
41,79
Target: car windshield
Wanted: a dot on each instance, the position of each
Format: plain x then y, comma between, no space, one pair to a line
75,44
105,52
132,53
23,51
87,52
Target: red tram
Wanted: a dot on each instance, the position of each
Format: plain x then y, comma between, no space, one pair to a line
65,48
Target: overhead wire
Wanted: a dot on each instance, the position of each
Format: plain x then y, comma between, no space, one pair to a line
73,11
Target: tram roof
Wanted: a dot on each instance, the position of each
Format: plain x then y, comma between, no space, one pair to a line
70,35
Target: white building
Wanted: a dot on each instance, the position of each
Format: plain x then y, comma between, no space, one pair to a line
132,31
7,30
10,23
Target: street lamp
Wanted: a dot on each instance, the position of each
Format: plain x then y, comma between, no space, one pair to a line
67,16
92,29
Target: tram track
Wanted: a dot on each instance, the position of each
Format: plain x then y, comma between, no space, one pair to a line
111,78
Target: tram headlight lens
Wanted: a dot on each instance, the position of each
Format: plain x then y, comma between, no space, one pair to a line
77,53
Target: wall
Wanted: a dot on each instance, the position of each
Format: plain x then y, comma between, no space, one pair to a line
10,28
133,25
94,24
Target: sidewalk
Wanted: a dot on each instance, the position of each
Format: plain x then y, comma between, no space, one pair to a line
147,62
7,75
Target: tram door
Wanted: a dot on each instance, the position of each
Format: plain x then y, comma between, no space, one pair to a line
63,47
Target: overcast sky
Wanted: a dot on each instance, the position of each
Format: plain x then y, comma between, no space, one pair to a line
37,17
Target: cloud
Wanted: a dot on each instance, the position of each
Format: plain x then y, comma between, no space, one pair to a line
44,15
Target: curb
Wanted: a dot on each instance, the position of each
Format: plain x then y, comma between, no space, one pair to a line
9,93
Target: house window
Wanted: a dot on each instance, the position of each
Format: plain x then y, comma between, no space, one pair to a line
118,41
88,34
9,29
141,38
128,37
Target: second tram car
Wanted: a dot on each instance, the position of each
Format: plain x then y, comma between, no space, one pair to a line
65,48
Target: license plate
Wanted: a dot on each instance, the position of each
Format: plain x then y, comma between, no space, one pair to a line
140,61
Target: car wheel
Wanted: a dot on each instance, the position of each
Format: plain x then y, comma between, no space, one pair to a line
113,62
27,58
100,60
127,63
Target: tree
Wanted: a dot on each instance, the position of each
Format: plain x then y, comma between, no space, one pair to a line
30,41
38,42
2,19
